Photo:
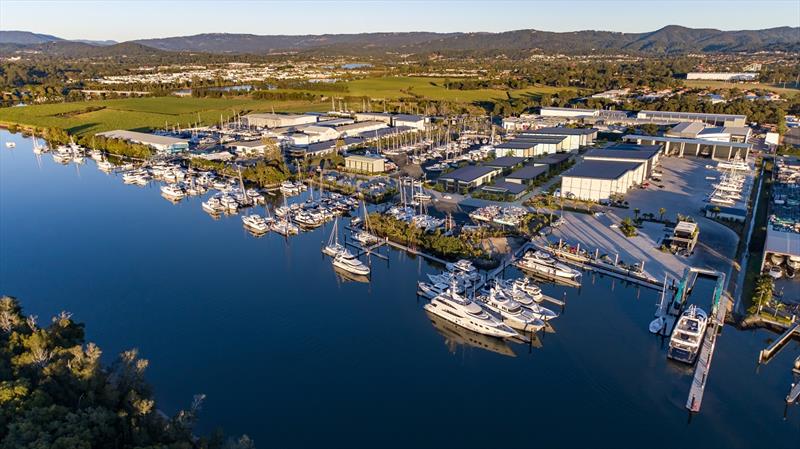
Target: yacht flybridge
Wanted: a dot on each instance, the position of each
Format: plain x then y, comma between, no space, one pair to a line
512,312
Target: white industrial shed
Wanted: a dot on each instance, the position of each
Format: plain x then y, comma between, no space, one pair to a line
576,137
597,180
160,143
278,120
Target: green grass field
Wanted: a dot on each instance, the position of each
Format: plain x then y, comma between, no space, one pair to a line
708,84
140,113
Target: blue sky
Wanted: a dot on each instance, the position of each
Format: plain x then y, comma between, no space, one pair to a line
125,19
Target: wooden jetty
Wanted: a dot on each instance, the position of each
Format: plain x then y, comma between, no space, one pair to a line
716,322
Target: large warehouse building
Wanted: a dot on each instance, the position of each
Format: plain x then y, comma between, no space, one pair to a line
679,146
576,137
164,144
644,155
677,117
722,76
278,120
597,180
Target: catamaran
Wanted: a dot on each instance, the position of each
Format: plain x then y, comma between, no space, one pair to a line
461,311
688,335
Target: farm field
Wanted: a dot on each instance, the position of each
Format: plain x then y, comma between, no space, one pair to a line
142,113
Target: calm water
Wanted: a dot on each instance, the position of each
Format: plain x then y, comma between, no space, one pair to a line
293,356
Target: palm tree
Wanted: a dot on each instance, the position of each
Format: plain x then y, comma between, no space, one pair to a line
661,212
636,213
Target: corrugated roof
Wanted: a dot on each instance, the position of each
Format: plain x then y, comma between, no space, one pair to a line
469,173
145,138
686,140
506,187
564,131
506,161
601,169
780,242
529,172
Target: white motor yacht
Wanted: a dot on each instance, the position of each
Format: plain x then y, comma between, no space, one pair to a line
684,344
11,144
543,263
255,223
461,311
539,311
173,191
284,228
512,312
213,206
348,262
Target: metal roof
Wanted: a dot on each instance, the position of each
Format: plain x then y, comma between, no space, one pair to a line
686,140
529,172
553,159
564,131
780,242
506,161
693,114
469,173
145,138
506,187
601,169
624,151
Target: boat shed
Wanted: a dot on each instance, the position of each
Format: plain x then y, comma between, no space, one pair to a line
627,152
509,189
468,177
506,162
780,243
577,137
164,144
596,180
527,174
680,146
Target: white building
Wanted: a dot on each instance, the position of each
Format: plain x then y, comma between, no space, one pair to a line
278,120
677,117
722,76
412,121
360,127
373,117
248,147
597,180
569,112
319,133
160,143
576,137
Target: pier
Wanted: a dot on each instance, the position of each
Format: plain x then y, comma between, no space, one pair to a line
716,320
766,354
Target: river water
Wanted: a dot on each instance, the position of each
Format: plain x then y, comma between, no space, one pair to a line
294,356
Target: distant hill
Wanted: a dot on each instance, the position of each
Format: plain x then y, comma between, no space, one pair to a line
74,49
25,38
668,40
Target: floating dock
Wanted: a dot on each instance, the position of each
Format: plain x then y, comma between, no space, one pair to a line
716,321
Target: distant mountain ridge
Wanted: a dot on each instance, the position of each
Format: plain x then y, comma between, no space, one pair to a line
669,40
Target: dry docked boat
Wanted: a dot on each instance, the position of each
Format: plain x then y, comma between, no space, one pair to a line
542,263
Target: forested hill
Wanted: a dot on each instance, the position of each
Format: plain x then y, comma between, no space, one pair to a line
668,40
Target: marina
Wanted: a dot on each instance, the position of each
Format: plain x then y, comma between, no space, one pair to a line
275,299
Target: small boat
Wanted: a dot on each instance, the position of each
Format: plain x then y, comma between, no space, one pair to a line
656,325
775,272
777,259
105,166
11,144
284,228
348,262
333,248
793,262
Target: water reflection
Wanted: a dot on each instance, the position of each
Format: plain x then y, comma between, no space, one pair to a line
455,336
